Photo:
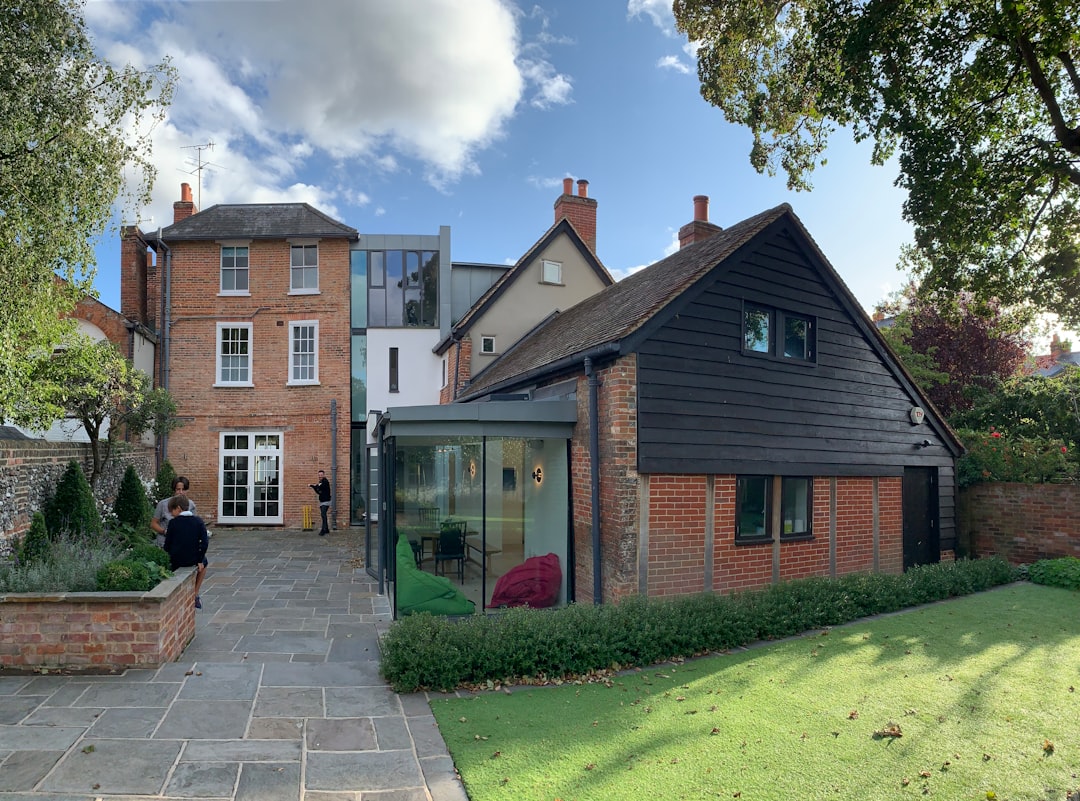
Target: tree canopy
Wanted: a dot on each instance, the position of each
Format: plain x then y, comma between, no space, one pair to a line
978,99
74,139
955,345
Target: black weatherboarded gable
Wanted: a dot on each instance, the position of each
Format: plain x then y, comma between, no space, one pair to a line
707,407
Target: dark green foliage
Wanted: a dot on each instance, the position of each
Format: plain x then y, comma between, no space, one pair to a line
148,552
1063,572
72,508
424,651
129,536
131,506
163,483
35,543
124,575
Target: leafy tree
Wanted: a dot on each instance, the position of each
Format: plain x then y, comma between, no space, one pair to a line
131,506
72,509
164,481
67,150
955,344
1029,406
978,99
94,383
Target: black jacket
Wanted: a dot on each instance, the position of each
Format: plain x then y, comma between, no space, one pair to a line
323,490
186,541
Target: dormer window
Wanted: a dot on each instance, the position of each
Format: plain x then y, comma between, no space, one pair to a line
550,272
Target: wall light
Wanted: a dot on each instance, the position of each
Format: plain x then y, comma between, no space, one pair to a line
538,475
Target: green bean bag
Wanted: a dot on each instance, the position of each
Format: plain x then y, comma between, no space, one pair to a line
419,591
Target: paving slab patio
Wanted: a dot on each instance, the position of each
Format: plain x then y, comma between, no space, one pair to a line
277,698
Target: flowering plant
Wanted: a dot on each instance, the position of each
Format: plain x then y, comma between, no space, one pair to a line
996,456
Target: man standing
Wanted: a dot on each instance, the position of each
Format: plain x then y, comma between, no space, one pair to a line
161,518
322,489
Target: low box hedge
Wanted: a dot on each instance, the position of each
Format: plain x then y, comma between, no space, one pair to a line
426,652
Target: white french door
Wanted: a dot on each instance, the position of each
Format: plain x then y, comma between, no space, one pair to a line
250,478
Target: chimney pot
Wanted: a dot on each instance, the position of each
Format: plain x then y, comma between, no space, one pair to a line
701,208
568,186
185,193
582,188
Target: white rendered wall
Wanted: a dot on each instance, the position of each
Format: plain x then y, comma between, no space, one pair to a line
419,370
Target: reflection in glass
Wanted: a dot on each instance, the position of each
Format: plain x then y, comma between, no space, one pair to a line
795,337
756,324
752,493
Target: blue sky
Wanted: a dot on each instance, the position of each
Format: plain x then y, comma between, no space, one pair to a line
401,117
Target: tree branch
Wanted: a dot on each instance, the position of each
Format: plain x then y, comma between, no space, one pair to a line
1070,67
1068,137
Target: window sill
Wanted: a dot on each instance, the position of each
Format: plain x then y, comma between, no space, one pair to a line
552,283
753,540
225,293
302,383
241,384
807,537
772,357
305,292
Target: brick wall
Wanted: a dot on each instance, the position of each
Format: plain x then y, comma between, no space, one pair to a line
1020,522
302,413
458,359
112,323
676,557
98,630
30,469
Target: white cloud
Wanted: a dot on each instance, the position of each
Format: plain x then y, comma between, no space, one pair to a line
673,63
275,85
659,11
541,182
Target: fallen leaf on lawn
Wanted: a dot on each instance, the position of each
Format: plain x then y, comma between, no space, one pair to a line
1048,747
925,774
462,720
853,714
496,755
987,757
590,766
891,730
714,730
905,782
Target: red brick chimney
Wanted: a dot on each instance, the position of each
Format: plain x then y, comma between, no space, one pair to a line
579,209
700,228
1056,348
133,260
185,206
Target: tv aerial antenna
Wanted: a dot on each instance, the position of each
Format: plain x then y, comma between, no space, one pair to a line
199,165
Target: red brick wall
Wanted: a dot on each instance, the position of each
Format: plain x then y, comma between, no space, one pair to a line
1020,522
301,412
676,556
112,323
891,525
805,558
112,630
458,358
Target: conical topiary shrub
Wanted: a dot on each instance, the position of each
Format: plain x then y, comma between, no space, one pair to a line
131,506
163,483
35,543
72,508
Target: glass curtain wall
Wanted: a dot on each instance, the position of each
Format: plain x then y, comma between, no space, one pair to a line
479,523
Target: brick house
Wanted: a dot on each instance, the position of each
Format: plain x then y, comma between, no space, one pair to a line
252,303
737,418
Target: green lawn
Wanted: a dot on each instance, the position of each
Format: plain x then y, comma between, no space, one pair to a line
981,689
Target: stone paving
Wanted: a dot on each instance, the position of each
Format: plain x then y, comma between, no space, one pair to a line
277,698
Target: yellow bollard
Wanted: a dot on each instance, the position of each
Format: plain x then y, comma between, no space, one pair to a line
307,519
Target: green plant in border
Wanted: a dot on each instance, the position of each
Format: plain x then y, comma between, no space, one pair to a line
997,456
163,482
131,506
124,575
35,543
72,508
1062,572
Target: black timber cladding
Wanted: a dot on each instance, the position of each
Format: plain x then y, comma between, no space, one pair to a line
705,407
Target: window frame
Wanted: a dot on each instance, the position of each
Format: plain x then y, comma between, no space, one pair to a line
303,245
484,340
394,371
776,336
294,326
775,484
234,246
218,355
544,277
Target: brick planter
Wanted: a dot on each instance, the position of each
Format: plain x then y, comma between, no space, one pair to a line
98,630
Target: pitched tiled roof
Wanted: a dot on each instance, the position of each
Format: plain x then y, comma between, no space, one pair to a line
617,311
257,221
485,301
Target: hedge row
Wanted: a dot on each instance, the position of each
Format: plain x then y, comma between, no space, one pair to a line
425,652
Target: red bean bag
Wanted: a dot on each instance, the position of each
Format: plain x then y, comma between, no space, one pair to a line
535,582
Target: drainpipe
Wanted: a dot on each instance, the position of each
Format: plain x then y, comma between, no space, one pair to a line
594,475
166,316
333,460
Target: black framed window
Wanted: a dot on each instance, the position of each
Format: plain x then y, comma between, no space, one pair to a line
754,508
778,333
393,369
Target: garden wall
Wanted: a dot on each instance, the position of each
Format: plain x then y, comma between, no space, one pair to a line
98,630
30,469
1020,522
